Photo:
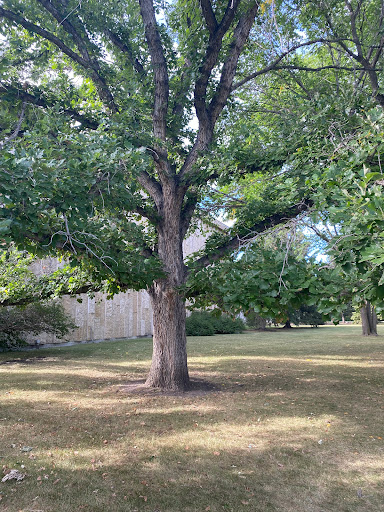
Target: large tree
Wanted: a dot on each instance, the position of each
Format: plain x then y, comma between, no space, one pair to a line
99,157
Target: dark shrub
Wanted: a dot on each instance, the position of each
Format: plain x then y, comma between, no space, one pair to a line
16,323
200,324
307,315
204,323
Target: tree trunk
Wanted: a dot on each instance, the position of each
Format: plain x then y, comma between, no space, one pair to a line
368,319
262,323
169,359
287,325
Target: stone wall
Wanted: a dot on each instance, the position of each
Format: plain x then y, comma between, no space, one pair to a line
126,315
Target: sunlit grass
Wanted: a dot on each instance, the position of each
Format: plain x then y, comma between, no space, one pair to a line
294,424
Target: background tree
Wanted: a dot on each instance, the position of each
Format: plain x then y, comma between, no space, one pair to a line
322,125
270,277
18,322
306,315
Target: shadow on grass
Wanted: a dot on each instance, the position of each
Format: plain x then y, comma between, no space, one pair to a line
287,472
285,431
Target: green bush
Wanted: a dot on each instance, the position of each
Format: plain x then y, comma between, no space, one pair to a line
228,325
204,323
16,323
199,324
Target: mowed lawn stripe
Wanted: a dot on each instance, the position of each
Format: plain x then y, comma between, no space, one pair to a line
292,421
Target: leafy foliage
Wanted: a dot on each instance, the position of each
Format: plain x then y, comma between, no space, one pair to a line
255,321
306,315
267,278
21,285
99,161
353,185
205,323
16,323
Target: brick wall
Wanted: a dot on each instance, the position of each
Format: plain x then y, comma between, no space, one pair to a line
126,315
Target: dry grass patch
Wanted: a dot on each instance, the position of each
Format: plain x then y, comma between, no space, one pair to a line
294,423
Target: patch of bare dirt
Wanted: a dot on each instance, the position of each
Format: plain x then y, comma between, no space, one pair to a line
31,360
198,387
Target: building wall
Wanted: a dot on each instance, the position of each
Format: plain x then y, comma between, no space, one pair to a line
126,315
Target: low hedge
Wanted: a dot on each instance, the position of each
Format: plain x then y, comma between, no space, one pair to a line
204,323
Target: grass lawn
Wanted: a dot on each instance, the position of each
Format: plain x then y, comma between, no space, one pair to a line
295,424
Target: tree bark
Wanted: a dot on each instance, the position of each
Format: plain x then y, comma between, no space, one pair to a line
262,323
368,319
169,360
287,325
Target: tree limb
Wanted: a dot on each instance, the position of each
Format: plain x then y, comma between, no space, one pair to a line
63,21
240,37
209,62
275,63
19,20
102,88
152,187
352,15
206,126
80,41
234,243
209,15
321,68
127,50
144,212
188,211
160,70
46,294
15,133
40,101
369,68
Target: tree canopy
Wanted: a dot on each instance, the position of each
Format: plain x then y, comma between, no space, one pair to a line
100,157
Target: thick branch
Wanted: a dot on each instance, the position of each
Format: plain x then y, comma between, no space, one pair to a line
206,126
240,37
159,65
19,93
68,27
187,212
127,50
89,65
144,212
233,243
81,41
209,15
152,187
210,61
353,15
45,34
